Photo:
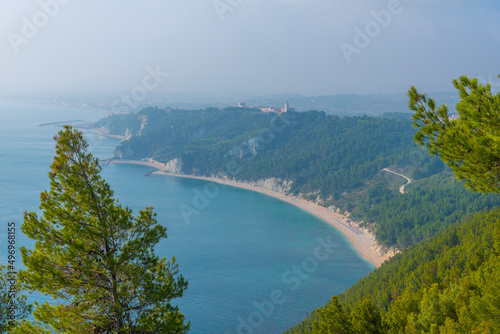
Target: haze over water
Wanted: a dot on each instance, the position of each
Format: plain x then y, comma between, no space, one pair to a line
239,250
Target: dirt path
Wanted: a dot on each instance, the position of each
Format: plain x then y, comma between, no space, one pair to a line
402,188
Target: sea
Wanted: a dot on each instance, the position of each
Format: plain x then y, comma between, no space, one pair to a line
254,264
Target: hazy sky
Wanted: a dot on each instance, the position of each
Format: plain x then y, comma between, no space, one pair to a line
309,47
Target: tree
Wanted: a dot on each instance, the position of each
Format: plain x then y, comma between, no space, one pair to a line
401,310
94,257
365,318
333,320
432,313
470,144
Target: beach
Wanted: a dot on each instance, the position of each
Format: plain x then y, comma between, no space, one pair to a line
362,240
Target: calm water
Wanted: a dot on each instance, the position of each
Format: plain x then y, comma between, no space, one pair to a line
254,264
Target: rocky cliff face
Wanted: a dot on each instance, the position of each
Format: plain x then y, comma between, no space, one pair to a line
174,166
249,148
128,134
124,154
382,250
122,130
278,185
144,122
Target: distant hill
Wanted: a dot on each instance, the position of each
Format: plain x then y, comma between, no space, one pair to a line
320,154
339,104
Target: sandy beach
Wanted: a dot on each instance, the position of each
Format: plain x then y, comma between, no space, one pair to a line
363,241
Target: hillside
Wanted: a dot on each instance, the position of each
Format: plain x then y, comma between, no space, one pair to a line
322,155
447,284
334,161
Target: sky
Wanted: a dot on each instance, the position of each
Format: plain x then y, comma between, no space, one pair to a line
230,47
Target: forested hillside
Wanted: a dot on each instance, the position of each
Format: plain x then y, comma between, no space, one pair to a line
449,281
335,161
321,154
428,206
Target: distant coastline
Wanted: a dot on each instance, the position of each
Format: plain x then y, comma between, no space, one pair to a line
60,105
362,240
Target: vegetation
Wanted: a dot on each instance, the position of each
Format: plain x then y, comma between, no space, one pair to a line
429,206
97,261
321,154
449,283
332,319
470,144
452,279
334,160
94,258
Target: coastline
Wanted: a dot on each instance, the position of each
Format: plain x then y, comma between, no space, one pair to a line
361,239
48,104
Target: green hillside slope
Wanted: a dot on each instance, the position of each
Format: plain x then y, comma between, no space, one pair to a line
450,283
334,161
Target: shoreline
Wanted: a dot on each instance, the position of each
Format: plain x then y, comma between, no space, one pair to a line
48,104
361,239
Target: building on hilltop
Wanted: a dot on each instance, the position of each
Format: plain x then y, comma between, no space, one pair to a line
268,110
287,108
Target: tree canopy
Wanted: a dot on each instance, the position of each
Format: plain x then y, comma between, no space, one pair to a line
470,144
332,319
447,284
94,258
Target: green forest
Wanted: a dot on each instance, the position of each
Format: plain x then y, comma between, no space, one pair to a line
446,284
335,161
322,154
430,205
449,282
96,260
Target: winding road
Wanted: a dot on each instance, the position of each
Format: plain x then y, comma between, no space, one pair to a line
402,188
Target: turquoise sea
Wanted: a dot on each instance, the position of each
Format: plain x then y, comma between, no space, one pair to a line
254,264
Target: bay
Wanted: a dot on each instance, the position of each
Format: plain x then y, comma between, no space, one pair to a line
254,264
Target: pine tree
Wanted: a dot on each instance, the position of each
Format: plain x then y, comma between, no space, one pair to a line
94,258
365,318
470,144
404,307
333,320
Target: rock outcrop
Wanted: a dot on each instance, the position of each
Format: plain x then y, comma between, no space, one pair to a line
384,251
174,166
123,154
274,184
